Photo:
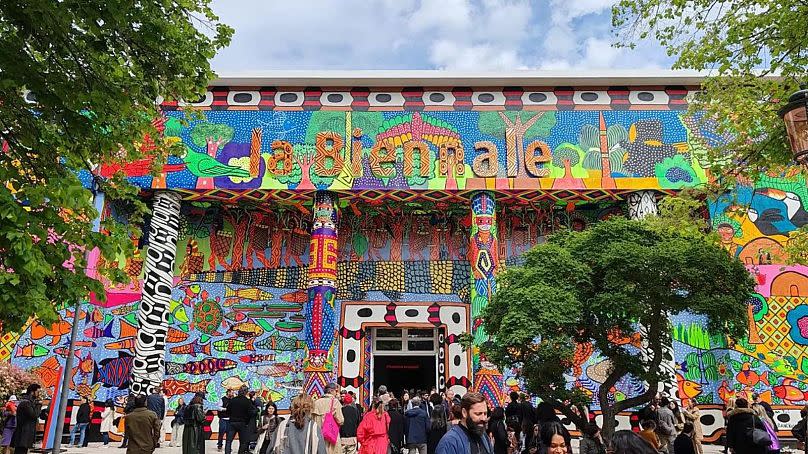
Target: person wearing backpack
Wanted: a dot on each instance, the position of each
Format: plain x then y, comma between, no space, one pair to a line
299,434
327,414
742,424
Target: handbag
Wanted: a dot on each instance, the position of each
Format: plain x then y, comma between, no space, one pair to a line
330,426
760,437
775,446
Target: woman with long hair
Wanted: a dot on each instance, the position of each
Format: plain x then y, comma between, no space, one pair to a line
193,434
269,424
107,419
178,423
627,442
372,431
298,434
555,438
438,427
498,431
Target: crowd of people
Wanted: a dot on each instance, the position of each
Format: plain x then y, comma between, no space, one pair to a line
415,422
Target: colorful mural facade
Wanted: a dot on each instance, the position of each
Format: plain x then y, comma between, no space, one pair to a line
309,220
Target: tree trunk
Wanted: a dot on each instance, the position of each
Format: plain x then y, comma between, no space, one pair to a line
609,420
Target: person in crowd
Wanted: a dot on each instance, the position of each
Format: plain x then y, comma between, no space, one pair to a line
534,447
396,427
9,418
372,433
438,424
677,414
128,407
299,434
760,412
28,410
627,442
591,442
769,412
329,404
456,414
142,428
513,411
156,403
193,421
684,441
693,416
666,425
107,420
270,420
498,431
405,400
546,413
468,437
649,433
739,429
241,410
350,422
800,430
426,403
514,443
417,425
383,395
528,418
555,438
82,421
649,412
224,419
177,424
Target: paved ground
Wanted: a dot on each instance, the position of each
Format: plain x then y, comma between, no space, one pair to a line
210,448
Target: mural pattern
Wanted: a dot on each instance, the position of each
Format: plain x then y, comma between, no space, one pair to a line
148,363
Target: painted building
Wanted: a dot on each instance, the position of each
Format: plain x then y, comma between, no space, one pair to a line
349,227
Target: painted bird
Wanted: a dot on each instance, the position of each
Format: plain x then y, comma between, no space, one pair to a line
202,165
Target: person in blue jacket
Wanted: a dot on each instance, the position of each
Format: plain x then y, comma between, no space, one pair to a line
469,436
417,427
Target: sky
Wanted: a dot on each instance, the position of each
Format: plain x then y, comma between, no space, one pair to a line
481,35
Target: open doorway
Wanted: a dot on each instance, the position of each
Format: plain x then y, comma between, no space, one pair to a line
404,358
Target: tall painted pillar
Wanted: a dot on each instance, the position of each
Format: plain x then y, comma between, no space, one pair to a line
322,290
640,205
149,363
483,256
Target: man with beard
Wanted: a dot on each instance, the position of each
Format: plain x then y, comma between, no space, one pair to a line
469,436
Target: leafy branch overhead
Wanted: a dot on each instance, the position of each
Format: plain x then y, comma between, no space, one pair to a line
90,72
595,287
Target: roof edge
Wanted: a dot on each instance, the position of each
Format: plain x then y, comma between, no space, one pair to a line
436,78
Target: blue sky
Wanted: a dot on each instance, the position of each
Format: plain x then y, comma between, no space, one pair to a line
426,34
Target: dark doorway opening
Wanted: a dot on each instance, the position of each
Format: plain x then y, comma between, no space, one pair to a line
404,372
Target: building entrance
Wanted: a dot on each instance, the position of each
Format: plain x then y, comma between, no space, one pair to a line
405,358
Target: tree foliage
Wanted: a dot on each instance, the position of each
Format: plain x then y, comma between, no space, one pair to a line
742,43
91,72
597,285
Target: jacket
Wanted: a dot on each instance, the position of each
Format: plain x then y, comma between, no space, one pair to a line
107,419
157,404
294,441
666,423
739,428
323,405
193,434
650,437
350,421
83,415
500,435
456,441
372,433
143,430
28,411
693,416
241,409
417,426
395,431
179,415
590,445
683,445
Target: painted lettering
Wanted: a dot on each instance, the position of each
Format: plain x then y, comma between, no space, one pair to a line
281,155
382,159
485,164
328,156
534,159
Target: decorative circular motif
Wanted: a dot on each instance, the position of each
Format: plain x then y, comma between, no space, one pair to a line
242,97
537,97
589,96
351,355
383,97
456,317
364,312
457,360
798,319
335,97
411,312
437,97
486,97
207,316
645,96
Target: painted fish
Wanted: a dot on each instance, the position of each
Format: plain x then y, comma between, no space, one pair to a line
123,344
90,344
50,372
31,350
281,343
124,310
247,329
193,349
176,336
234,345
86,364
95,332
617,338
177,311
207,366
127,330
255,294
83,390
269,394
233,382
257,358
56,331
790,393
114,371
275,370
298,296
234,316
177,387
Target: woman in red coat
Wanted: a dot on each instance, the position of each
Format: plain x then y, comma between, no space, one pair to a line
372,431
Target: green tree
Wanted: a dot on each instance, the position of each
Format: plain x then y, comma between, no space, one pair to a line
90,72
516,127
616,275
743,43
211,136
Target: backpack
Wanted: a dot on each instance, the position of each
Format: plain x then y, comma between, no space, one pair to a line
330,426
798,431
282,443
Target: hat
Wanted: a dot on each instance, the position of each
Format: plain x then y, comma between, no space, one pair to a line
347,399
13,398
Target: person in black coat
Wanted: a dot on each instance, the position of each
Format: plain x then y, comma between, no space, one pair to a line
498,431
395,432
28,411
684,441
741,421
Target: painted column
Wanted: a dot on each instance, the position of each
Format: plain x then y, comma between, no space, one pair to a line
483,256
640,205
322,282
149,363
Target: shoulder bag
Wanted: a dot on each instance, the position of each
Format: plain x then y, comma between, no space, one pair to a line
330,426
760,437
